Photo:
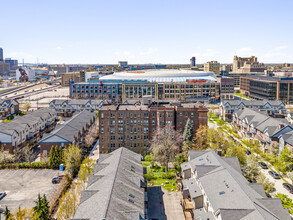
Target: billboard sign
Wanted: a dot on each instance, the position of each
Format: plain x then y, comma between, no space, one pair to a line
25,74
195,81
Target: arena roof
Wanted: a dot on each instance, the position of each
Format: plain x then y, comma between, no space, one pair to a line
162,75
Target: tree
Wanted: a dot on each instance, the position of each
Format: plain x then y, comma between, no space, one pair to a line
165,144
56,157
251,169
6,157
236,151
20,214
42,207
86,169
72,159
7,213
275,149
188,132
286,202
27,106
200,139
267,185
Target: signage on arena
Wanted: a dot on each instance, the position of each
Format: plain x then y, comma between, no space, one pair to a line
195,81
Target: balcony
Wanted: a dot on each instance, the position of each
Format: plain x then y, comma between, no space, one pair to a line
187,205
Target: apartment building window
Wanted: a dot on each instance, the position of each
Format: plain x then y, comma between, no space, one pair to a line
120,122
168,122
130,115
112,138
146,115
102,115
112,130
146,122
112,123
112,115
180,114
153,123
134,130
145,145
120,130
112,145
186,115
146,130
161,123
154,115
138,115
127,137
161,115
102,130
120,115
191,114
134,115
120,138
102,123
134,122
131,122
192,122
154,130
145,137
170,115
102,138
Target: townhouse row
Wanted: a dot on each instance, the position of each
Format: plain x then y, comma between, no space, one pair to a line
67,108
8,107
72,131
27,129
264,128
274,108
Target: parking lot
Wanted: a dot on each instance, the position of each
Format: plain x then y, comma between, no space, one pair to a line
23,186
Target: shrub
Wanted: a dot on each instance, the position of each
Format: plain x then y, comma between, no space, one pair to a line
163,168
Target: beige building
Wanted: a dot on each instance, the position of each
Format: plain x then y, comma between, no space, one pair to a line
212,66
247,65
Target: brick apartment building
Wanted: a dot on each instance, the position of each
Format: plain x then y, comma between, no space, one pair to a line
132,126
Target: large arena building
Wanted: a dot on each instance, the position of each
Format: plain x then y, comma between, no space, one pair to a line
162,84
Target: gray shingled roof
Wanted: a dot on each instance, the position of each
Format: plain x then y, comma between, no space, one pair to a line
70,129
253,102
114,190
231,194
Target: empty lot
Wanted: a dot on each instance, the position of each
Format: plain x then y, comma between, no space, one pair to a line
23,186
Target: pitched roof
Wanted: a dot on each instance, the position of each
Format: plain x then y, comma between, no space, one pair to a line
230,193
116,193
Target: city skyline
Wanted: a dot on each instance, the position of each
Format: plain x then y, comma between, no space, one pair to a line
72,32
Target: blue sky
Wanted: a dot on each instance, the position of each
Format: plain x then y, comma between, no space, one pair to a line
146,31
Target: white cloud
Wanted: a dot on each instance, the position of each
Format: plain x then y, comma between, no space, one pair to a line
149,51
281,48
59,48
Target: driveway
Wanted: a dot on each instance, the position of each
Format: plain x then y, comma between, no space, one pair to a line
173,209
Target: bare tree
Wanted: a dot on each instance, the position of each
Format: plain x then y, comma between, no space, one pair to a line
166,144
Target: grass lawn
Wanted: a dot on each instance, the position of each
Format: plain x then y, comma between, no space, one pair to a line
219,122
241,95
168,186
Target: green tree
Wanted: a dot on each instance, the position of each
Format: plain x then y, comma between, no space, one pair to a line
200,139
286,202
56,157
86,169
72,159
42,207
27,106
251,170
165,144
267,185
188,132
236,151
290,176
7,213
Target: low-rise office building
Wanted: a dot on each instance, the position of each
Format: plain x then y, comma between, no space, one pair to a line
212,66
115,190
267,87
226,87
162,84
71,132
272,108
27,129
132,126
213,188
8,107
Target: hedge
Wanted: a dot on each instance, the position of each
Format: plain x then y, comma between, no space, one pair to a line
33,165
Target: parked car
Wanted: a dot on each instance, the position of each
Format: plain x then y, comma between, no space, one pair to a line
248,152
263,165
274,174
57,179
2,195
288,186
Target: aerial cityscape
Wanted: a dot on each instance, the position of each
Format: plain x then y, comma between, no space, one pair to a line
150,110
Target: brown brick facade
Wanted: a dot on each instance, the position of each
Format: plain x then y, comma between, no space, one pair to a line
132,126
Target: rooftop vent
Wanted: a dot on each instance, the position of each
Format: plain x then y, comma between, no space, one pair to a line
131,195
200,159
